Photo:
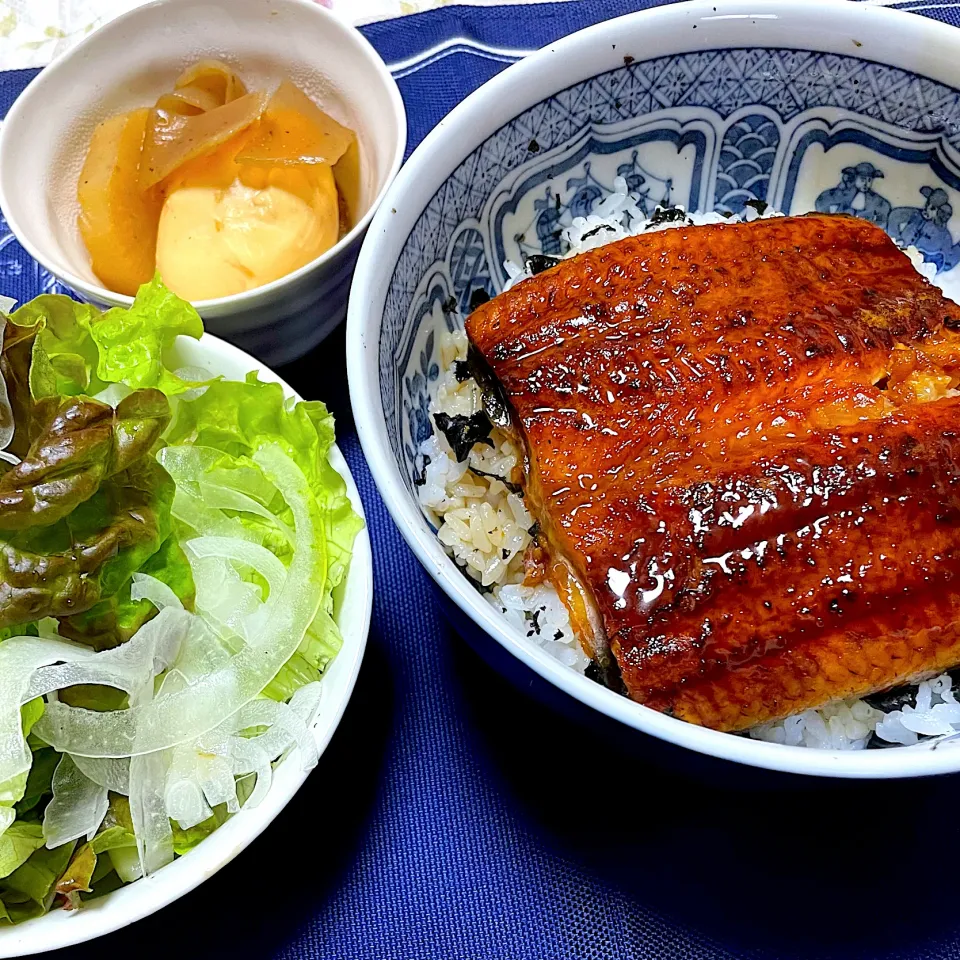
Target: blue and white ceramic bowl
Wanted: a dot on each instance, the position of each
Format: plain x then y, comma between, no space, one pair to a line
810,104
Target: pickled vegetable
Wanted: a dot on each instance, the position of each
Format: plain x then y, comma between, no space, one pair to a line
173,139
294,130
118,220
220,189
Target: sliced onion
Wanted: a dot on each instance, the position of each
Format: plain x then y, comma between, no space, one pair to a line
113,393
127,667
183,794
204,488
252,555
305,704
192,375
226,498
20,657
187,714
112,775
77,808
217,780
191,511
151,825
222,595
288,723
184,802
201,654
145,587
249,757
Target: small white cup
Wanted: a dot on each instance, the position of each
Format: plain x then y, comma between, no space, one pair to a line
125,65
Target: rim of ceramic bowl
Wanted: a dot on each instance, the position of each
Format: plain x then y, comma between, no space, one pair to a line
829,26
145,897
247,298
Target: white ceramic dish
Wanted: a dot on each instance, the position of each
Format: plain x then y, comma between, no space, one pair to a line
125,64
144,897
705,103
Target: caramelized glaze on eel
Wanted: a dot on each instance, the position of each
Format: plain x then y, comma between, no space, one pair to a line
743,450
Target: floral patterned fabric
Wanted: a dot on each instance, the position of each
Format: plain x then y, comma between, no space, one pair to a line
33,32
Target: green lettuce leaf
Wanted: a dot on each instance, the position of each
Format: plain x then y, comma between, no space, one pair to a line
12,791
19,630
30,713
132,342
71,565
64,354
116,839
235,419
115,620
113,838
83,443
64,348
30,889
39,779
78,877
16,361
185,840
17,845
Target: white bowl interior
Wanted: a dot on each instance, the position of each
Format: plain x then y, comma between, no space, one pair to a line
439,221
130,61
140,899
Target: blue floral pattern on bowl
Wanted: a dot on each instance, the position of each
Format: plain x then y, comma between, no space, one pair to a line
711,130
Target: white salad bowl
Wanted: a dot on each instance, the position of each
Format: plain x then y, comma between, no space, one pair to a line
709,105
126,64
144,897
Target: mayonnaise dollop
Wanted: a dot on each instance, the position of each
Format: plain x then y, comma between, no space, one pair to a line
227,227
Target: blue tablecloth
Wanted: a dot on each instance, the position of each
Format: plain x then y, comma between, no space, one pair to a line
454,817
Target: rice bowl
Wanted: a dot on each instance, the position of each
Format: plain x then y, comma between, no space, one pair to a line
451,197
477,505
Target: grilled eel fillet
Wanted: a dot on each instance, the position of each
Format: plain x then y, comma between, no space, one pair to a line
742,447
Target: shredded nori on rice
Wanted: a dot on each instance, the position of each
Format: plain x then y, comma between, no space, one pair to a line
538,262
478,297
895,699
463,432
606,674
666,215
512,487
495,401
596,230
420,478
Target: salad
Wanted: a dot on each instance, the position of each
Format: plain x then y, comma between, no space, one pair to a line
171,547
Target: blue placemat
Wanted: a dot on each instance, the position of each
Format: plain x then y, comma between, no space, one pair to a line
453,817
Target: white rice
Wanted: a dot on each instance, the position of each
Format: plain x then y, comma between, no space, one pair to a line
485,526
